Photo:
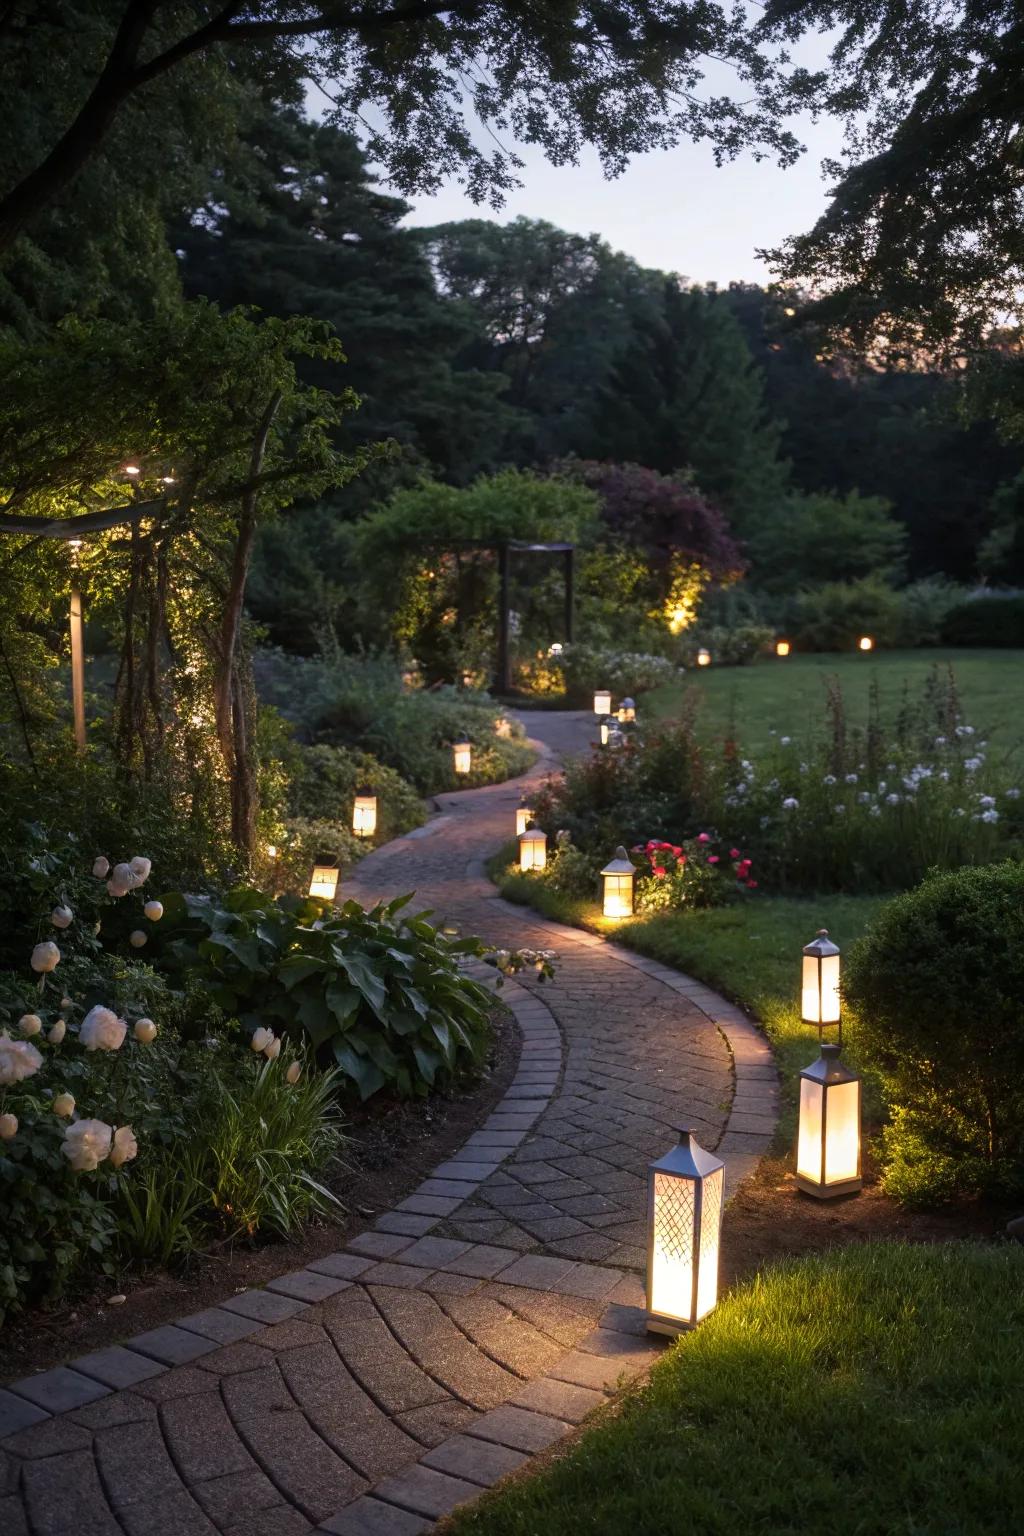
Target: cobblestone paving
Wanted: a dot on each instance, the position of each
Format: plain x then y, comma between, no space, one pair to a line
497,1306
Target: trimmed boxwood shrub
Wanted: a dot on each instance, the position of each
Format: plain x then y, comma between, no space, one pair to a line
990,621
938,989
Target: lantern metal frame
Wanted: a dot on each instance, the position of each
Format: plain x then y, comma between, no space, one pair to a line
535,838
619,868
822,948
688,1163
828,1073
364,812
322,870
615,736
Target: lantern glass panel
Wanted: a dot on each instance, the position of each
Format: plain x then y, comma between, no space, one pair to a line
618,895
819,1002
364,815
808,1150
533,850
842,1133
524,815
685,1229
324,882
782,647
605,728
703,658
462,756
602,701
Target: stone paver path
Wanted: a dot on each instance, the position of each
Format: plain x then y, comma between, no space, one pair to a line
483,1318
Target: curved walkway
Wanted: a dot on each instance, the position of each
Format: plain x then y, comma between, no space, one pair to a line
478,1322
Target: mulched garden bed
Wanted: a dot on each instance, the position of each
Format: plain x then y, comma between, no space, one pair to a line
393,1147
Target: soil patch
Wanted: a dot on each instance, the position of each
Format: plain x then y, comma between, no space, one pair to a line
393,1148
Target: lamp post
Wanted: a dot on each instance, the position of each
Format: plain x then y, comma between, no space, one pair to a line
684,1222
602,701
364,813
524,815
462,756
324,881
618,885
533,848
828,1142
819,984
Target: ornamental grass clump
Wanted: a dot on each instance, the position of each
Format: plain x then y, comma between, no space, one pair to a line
938,989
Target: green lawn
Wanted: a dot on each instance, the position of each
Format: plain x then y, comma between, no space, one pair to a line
875,1391
789,695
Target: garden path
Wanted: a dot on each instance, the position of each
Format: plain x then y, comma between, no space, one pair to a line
492,1310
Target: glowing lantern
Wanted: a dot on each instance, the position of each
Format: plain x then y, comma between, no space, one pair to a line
533,848
819,989
782,647
627,711
271,850
865,643
606,728
364,814
524,815
618,885
462,756
703,657
615,737
325,881
685,1190
602,701
828,1145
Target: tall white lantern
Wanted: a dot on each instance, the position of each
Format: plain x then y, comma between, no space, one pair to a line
819,983
462,756
618,885
324,881
364,814
524,815
533,848
685,1197
602,701
828,1142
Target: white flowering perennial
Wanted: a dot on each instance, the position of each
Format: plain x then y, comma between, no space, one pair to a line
102,1030
18,1060
45,957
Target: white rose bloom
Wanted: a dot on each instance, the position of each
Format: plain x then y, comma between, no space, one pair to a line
115,889
294,1072
125,1146
8,1127
137,938
102,1030
30,1024
261,1039
154,911
140,868
18,1060
86,1144
273,1050
101,868
123,874
990,816
45,957
61,917
66,1002
57,1032
145,1031
851,778
64,1105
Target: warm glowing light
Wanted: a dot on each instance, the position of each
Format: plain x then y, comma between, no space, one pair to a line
684,1220
618,885
828,1143
271,850
789,311
132,469
627,711
462,756
703,658
524,815
605,728
324,882
556,648
602,701
533,848
364,814
819,989
865,643
782,647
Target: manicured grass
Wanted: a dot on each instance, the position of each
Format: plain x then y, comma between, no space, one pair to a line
876,1391
788,695
749,951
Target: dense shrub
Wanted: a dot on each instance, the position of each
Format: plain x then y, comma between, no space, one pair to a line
626,673
938,985
988,621
923,608
734,646
361,702
832,617
325,780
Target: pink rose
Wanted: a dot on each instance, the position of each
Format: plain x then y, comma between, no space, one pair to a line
734,853
712,858
704,838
